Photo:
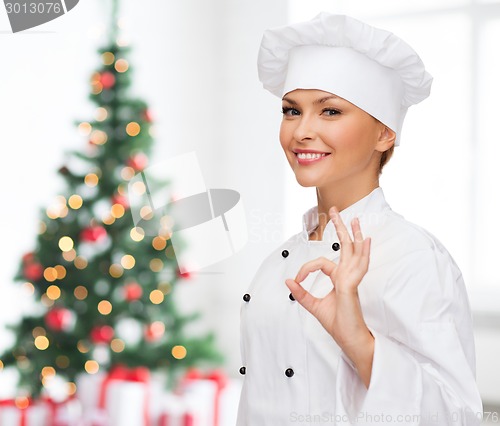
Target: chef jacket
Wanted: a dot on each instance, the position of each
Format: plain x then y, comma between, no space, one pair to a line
414,302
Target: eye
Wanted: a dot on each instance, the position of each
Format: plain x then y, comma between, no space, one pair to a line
331,112
289,111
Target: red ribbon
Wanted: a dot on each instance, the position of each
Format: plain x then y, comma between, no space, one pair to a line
121,372
54,406
12,403
218,377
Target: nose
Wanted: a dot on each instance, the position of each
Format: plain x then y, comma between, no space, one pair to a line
305,128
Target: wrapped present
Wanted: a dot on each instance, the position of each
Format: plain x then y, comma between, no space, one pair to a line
23,412
201,399
122,397
62,413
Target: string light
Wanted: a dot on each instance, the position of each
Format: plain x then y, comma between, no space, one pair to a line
91,367
91,179
85,128
71,388
101,114
41,343
104,307
50,274
128,261
156,297
22,402
80,262
117,345
46,301
146,213
115,270
53,292
48,372
29,287
82,347
61,271
179,352
127,173
70,255
121,65
108,219
138,188
159,243
107,58
65,243
133,128
137,233
75,201
165,287
39,331
98,137
156,265
42,227
117,210
81,292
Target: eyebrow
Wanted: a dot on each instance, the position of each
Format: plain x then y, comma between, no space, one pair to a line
317,101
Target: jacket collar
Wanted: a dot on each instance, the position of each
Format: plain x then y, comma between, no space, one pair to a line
366,209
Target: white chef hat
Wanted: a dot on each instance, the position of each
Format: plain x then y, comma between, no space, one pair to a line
370,67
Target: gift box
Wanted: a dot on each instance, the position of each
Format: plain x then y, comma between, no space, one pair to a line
23,412
119,398
209,399
62,413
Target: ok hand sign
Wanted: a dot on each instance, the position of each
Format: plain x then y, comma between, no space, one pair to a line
339,312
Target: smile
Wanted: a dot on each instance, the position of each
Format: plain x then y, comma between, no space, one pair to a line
303,158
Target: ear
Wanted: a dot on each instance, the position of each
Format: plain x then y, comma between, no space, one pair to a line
386,139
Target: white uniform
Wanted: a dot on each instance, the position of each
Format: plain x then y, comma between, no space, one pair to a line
415,304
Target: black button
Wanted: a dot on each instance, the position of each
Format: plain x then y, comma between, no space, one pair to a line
285,253
246,297
289,372
291,297
336,246
243,370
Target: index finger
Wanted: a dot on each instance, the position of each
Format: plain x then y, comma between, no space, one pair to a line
342,232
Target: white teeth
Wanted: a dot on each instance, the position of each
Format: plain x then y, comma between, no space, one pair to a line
309,156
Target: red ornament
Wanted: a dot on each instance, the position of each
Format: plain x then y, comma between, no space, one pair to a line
154,331
29,257
146,116
138,162
102,334
132,291
59,319
93,234
33,271
120,199
107,80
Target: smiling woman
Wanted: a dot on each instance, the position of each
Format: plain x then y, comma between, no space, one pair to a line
363,316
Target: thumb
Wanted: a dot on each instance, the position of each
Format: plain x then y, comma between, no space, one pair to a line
306,299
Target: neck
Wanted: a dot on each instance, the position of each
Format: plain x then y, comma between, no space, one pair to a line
341,196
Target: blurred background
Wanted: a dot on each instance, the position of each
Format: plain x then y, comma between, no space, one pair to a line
195,65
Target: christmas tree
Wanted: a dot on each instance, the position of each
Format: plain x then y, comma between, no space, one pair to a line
103,287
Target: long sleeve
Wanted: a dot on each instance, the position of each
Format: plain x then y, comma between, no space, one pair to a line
423,369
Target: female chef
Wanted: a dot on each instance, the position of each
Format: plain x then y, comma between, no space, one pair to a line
363,317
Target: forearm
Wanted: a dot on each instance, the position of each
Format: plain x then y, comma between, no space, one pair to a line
355,339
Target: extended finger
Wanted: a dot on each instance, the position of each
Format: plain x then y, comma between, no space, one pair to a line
358,236
321,263
306,299
344,237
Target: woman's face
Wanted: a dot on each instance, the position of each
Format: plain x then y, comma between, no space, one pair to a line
314,120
